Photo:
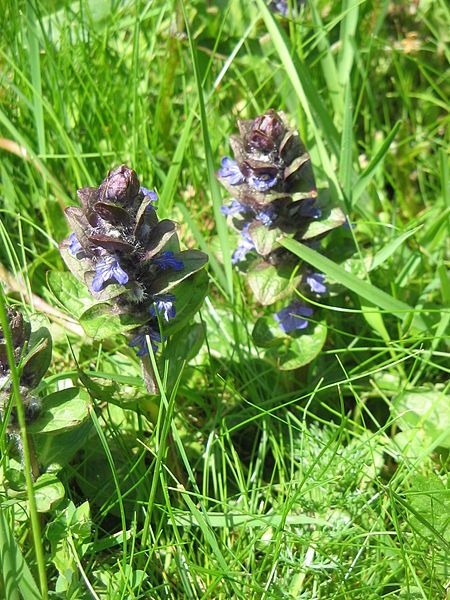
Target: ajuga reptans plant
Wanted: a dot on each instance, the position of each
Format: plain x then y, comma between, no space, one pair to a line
35,364
275,196
131,261
32,350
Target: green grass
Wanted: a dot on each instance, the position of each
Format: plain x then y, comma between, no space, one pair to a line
246,481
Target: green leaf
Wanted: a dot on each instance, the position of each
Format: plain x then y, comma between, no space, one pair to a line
39,355
48,491
430,500
366,290
264,239
302,349
270,284
190,294
182,347
77,266
266,333
193,261
58,449
100,322
62,411
425,410
71,293
334,219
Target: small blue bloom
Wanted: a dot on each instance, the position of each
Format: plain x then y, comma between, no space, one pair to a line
262,182
74,246
309,209
140,341
266,216
148,194
234,208
316,282
244,246
289,317
230,170
347,225
164,304
166,260
107,270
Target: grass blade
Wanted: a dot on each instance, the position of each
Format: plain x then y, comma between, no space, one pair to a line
346,158
388,250
16,574
308,96
170,184
366,176
347,39
210,167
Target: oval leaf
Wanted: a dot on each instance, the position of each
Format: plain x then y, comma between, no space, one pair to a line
269,284
62,411
300,351
48,492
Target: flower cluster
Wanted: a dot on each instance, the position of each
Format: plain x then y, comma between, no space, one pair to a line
274,196
34,364
126,256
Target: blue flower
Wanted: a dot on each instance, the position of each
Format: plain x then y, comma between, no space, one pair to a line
309,209
244,246
107,270
347,225
230,170
166,260
289,317
148,194
262,182
316,282
266,216
74,246
234,208
140,341
164,304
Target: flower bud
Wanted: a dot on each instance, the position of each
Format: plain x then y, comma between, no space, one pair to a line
121,185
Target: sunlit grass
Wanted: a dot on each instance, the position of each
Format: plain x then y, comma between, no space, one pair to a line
248,482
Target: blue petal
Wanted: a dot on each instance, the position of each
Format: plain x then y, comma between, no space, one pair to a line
106,270
289,317
266,216
74,246
166,260
263,182
149,194
120,275
234,208
140,341
316,282
164,305
230,170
